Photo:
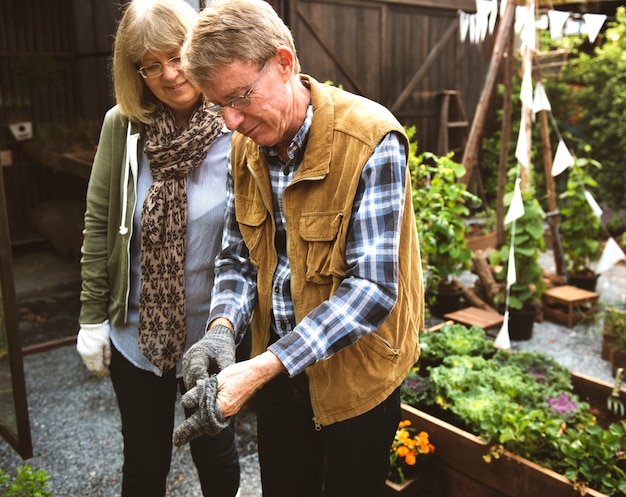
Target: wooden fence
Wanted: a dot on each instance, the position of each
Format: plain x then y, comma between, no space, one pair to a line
54,70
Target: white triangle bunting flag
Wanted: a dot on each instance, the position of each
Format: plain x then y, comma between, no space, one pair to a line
521,150
526,93
529,35
557,19
464,21
520,18
541,101
611,255
511,275
593,25
503,340
503,7
493,16
597,210
562,159
516,209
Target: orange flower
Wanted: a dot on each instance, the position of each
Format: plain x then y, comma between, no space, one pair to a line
403,451
406,449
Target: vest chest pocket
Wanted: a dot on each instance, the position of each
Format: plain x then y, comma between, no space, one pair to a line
319,230
251,218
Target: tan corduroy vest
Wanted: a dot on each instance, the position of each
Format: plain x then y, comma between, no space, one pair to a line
317,206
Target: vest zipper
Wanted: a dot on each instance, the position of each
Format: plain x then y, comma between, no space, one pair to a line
317,424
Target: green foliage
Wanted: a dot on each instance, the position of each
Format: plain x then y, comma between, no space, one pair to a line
414,389
588,103
594,105
593,452
523,402
615,326
540,366
440,203
454,339
27,483
529,287
579,228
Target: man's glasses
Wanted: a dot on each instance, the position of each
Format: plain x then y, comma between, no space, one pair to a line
237,102
155,70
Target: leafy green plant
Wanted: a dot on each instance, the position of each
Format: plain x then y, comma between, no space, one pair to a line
524,402
414,389
615,326
529,241
440,203
454,339
580,227
27,483
595,457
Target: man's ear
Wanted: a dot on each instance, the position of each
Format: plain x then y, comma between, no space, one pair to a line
285,58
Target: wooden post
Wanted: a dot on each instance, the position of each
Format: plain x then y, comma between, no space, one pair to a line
507,110
553,219
478,123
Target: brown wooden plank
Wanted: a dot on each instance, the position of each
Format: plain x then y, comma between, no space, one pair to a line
423,69
474,316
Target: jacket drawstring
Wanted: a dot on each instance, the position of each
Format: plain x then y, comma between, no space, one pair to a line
131,161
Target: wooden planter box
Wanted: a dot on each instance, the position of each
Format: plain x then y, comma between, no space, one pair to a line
460,471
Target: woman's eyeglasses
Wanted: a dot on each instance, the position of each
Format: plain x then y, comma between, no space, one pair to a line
155,70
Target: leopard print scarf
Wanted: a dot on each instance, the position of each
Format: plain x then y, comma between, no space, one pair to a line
171,154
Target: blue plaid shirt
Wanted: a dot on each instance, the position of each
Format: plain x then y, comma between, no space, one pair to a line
369,292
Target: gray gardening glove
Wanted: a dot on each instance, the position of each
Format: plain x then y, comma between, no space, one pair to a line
208,419
209,355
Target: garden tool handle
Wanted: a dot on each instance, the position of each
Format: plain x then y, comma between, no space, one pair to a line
618,381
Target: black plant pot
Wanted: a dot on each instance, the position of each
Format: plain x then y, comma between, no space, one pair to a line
584,281
445,302
521,323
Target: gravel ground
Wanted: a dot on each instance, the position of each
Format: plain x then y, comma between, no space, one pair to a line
75,422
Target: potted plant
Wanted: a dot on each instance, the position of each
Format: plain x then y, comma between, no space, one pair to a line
524,296
411,453
518,417
580,227
440,203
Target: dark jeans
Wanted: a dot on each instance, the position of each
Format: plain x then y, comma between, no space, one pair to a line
344,459
147,405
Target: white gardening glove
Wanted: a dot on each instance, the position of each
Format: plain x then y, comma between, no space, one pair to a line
94,346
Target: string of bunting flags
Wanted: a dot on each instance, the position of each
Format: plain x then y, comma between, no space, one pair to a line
474,27
563,160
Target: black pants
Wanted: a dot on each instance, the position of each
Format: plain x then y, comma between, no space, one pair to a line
147,405
344,459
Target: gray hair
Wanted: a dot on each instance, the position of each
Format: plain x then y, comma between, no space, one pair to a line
249,31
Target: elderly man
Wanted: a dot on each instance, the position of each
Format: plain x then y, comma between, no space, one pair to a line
320,252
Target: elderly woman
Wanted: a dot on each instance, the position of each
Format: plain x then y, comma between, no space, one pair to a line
153,225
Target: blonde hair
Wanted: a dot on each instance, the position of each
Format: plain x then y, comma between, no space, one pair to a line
249,31
146,26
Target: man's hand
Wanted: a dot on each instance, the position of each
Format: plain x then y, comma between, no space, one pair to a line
94,346
208,419
209,355
221,396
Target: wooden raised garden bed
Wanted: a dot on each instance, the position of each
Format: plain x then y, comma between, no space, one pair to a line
461,471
